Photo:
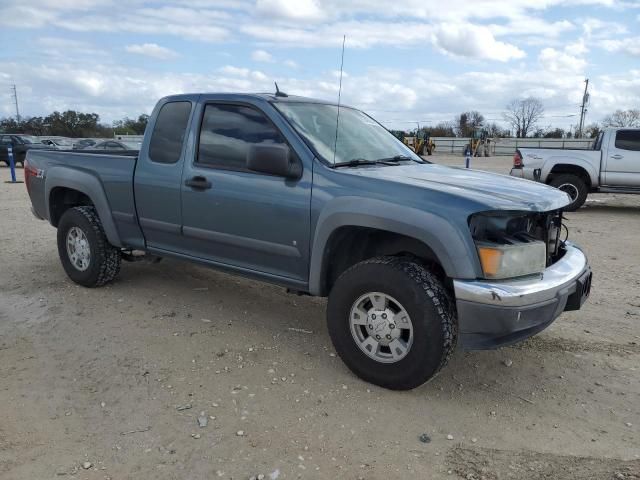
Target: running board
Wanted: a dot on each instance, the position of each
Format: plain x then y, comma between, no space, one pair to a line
618,190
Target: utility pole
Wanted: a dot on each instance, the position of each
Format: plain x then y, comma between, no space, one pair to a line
583,110
15,98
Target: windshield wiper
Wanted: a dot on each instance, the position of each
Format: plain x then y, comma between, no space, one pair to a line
399,158
355,162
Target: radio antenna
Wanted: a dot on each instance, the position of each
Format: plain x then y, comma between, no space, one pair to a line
335,145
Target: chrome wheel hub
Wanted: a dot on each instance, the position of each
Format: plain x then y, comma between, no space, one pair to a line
78,249
570,189
381,327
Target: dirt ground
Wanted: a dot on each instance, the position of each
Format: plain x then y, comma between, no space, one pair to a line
114,379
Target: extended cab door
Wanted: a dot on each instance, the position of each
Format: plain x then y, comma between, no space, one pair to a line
233,216
158,174
622,167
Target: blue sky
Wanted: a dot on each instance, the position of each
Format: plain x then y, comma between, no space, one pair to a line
406,61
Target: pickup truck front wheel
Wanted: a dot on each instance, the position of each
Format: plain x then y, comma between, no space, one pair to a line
574,186
87,256
392,322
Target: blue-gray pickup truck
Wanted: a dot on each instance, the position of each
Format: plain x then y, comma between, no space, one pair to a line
416,259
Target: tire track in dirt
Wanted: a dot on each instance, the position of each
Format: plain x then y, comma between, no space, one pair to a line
492,464
556,344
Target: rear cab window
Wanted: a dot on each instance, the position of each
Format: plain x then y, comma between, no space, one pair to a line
169,132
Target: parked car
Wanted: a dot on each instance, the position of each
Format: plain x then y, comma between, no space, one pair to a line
416,258
612,166
57,143
115,145
83,143
20,145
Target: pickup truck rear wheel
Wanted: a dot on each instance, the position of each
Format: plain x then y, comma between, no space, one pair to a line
392,322
574,186
87,256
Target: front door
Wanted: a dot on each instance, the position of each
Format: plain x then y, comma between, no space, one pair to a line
240,218
623,159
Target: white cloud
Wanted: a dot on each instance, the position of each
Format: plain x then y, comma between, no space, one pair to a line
578,48
556,61
465,40
596,28
630,46
152,50
235,71
461,40
261,56
290,9
532,26
488,33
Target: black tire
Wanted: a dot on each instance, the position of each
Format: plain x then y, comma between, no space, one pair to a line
423,297
574,186
104,259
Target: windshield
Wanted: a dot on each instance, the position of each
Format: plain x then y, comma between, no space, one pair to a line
359,137
26,139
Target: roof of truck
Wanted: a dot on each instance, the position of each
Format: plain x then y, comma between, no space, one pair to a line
269,97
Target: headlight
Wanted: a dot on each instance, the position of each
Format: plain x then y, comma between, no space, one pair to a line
512,260
514,244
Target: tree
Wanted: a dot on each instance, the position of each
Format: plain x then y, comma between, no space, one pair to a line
72,124
494,131
538,132
443,129
523,115
554,133
10,125
127,126
623,118
592,130
467,122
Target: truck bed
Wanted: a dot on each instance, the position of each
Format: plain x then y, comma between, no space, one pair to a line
109,174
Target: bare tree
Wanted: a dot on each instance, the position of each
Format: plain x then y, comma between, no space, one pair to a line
467,122
592,130
442,129
523,115
623,118
494,130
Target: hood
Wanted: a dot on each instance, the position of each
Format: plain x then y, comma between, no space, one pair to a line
489,190
30,146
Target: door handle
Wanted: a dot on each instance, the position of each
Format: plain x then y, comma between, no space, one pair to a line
198,183
617,156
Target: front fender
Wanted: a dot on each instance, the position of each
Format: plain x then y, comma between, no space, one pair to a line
84,182
455,252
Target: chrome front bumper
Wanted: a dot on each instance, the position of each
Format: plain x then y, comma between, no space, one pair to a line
496,313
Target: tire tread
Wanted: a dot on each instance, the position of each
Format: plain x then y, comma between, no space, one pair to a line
435,291
109,265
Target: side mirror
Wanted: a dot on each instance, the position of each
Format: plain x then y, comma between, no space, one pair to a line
273,160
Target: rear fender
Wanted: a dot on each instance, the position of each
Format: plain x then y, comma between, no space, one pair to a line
575,161
90,185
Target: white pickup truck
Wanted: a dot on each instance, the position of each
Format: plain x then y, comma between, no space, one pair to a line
611,166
